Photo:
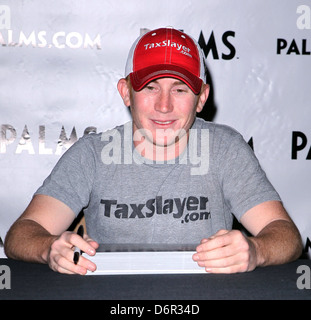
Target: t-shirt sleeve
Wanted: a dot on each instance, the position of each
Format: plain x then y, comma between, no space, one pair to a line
71,179
243,180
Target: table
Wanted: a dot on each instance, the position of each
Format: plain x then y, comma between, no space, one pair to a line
37,281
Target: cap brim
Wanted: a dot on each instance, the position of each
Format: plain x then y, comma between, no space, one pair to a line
142,77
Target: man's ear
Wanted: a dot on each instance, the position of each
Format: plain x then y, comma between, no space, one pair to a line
124,90
203,97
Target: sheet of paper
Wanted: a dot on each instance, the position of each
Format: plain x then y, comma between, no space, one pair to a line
147,259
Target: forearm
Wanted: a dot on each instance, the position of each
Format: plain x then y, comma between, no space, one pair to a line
279,242
29,241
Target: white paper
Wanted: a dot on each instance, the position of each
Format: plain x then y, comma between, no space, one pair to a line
144,262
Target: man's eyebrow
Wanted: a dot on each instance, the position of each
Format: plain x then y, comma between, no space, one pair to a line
176,82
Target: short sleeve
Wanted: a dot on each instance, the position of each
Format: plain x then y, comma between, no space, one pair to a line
243,181
71,179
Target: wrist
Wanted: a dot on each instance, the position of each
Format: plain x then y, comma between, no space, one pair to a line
256,252
47,248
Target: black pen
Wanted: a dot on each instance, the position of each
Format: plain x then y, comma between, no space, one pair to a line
77,251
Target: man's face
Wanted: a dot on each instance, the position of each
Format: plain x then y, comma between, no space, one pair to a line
164,111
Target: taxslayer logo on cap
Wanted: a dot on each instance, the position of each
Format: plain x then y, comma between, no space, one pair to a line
166,52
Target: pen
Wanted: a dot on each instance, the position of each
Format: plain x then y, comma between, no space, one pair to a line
77,251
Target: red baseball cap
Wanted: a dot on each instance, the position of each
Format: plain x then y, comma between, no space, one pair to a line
166,52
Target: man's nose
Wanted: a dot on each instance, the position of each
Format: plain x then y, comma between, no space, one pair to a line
164,102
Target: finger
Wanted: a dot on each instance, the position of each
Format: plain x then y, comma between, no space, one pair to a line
62,264
85,246
214,242
90,241
62,260
231,268
218,233
203,241
59,269
216,263
86,264
226,270
234,263
81,267
218,253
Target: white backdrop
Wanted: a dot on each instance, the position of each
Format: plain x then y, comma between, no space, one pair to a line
60,62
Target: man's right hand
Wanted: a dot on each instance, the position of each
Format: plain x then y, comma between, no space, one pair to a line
39,235
60,257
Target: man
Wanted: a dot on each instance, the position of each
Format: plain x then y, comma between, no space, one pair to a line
165,177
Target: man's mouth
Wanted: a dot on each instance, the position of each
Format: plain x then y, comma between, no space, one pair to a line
163,122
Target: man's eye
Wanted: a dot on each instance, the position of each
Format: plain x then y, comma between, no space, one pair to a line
181,90
150,88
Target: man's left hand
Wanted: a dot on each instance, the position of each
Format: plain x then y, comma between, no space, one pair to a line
226,252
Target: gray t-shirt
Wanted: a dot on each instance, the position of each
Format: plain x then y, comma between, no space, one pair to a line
128,199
